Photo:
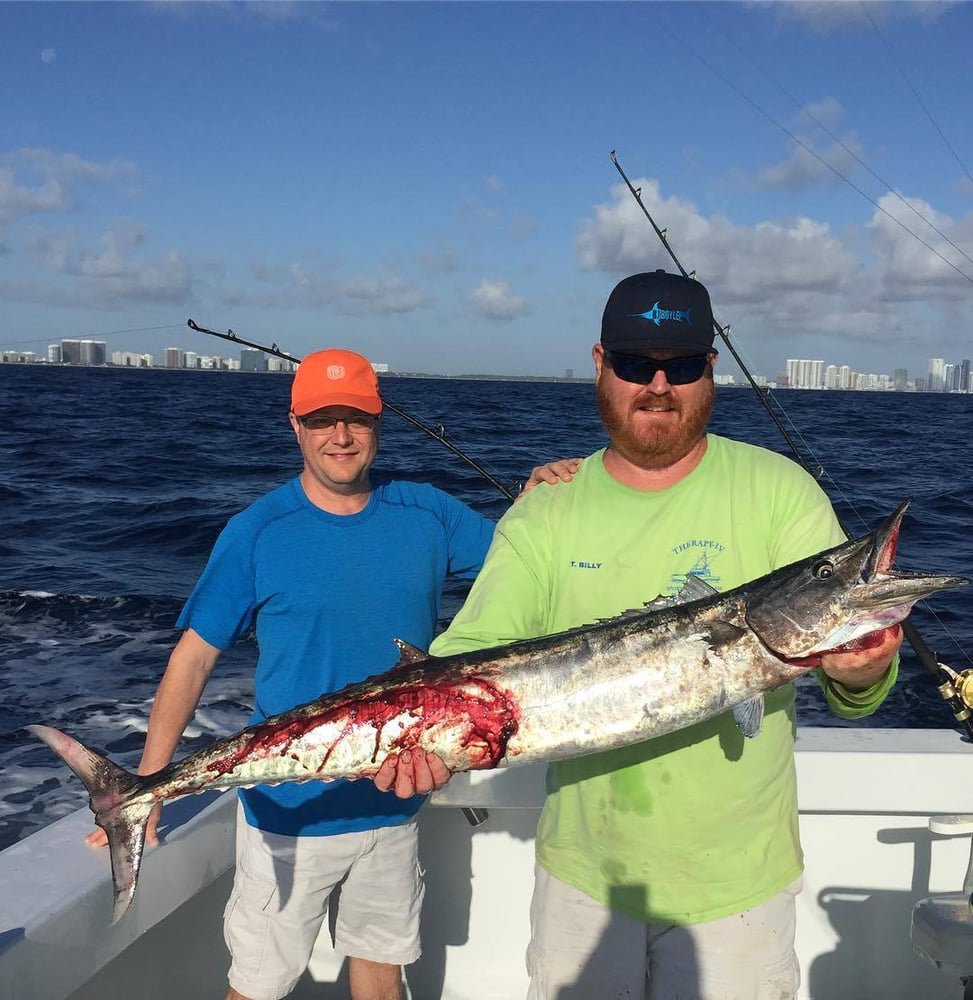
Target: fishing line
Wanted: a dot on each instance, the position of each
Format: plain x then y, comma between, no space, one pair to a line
955,688
729,83
805,110
915,93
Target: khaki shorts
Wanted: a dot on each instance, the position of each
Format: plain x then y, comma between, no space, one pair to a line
583,950
281,894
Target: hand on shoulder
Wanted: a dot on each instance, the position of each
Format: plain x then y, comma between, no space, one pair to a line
561,470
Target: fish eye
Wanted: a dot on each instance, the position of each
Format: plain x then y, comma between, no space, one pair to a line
823,570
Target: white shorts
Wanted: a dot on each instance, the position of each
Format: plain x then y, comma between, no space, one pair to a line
281,894
583,950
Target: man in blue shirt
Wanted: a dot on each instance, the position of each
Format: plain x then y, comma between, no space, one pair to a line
328,568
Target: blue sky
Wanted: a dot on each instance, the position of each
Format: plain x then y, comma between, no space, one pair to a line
430,184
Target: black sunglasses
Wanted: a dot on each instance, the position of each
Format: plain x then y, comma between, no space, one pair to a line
678,371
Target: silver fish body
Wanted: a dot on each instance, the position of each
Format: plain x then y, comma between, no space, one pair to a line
618,682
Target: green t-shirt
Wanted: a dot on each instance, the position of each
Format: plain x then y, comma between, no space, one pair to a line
700,823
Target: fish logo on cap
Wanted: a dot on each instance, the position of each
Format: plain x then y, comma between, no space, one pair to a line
657,315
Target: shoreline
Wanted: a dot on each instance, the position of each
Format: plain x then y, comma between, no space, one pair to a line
468,377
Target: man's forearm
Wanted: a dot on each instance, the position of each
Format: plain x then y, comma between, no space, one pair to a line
176,699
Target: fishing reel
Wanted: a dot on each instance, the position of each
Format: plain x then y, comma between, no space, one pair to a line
956,690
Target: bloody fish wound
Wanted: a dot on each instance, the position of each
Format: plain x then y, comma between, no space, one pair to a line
644,673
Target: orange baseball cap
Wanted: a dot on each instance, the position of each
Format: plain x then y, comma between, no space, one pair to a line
335,378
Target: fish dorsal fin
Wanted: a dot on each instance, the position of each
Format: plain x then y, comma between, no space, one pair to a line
749,715
694,589
409,653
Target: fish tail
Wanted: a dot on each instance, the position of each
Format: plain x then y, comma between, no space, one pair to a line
108,788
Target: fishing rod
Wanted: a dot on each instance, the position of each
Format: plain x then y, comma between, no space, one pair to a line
955,688
436,433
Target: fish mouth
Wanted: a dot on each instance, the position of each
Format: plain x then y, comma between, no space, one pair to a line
830,602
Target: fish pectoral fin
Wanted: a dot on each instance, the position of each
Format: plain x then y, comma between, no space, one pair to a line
721,633
409,653
749,715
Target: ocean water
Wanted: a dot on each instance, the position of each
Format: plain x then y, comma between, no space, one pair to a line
114,485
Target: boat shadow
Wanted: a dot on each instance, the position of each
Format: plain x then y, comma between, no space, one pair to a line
862,919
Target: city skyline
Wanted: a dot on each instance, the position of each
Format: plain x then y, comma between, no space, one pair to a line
940,375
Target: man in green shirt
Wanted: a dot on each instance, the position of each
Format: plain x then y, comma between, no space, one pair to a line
670,868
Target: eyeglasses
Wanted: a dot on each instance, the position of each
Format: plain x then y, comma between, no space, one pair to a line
678,371
357,423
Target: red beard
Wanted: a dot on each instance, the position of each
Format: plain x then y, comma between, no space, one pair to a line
656,445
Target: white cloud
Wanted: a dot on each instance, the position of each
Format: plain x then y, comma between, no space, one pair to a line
787,275
39,180
320,15
18,198
828,16
804,169
108,271
48,56
793,279
910,271
381,295
303,287
828,112
496,300
66,165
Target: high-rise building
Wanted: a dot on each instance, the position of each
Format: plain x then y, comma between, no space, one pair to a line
53,354
129,359
901,379
935,383
804,374
94,352
252,360
84,352
71,352
174,357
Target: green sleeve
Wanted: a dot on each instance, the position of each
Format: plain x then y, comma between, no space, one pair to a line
858,704
510,598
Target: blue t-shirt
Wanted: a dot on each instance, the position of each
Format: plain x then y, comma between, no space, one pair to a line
328,593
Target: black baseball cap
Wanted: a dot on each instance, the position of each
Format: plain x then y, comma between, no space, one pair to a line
658,311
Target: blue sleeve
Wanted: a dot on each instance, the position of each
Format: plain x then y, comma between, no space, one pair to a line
221,606
468,536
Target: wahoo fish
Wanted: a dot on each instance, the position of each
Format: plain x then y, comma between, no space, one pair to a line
642,674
